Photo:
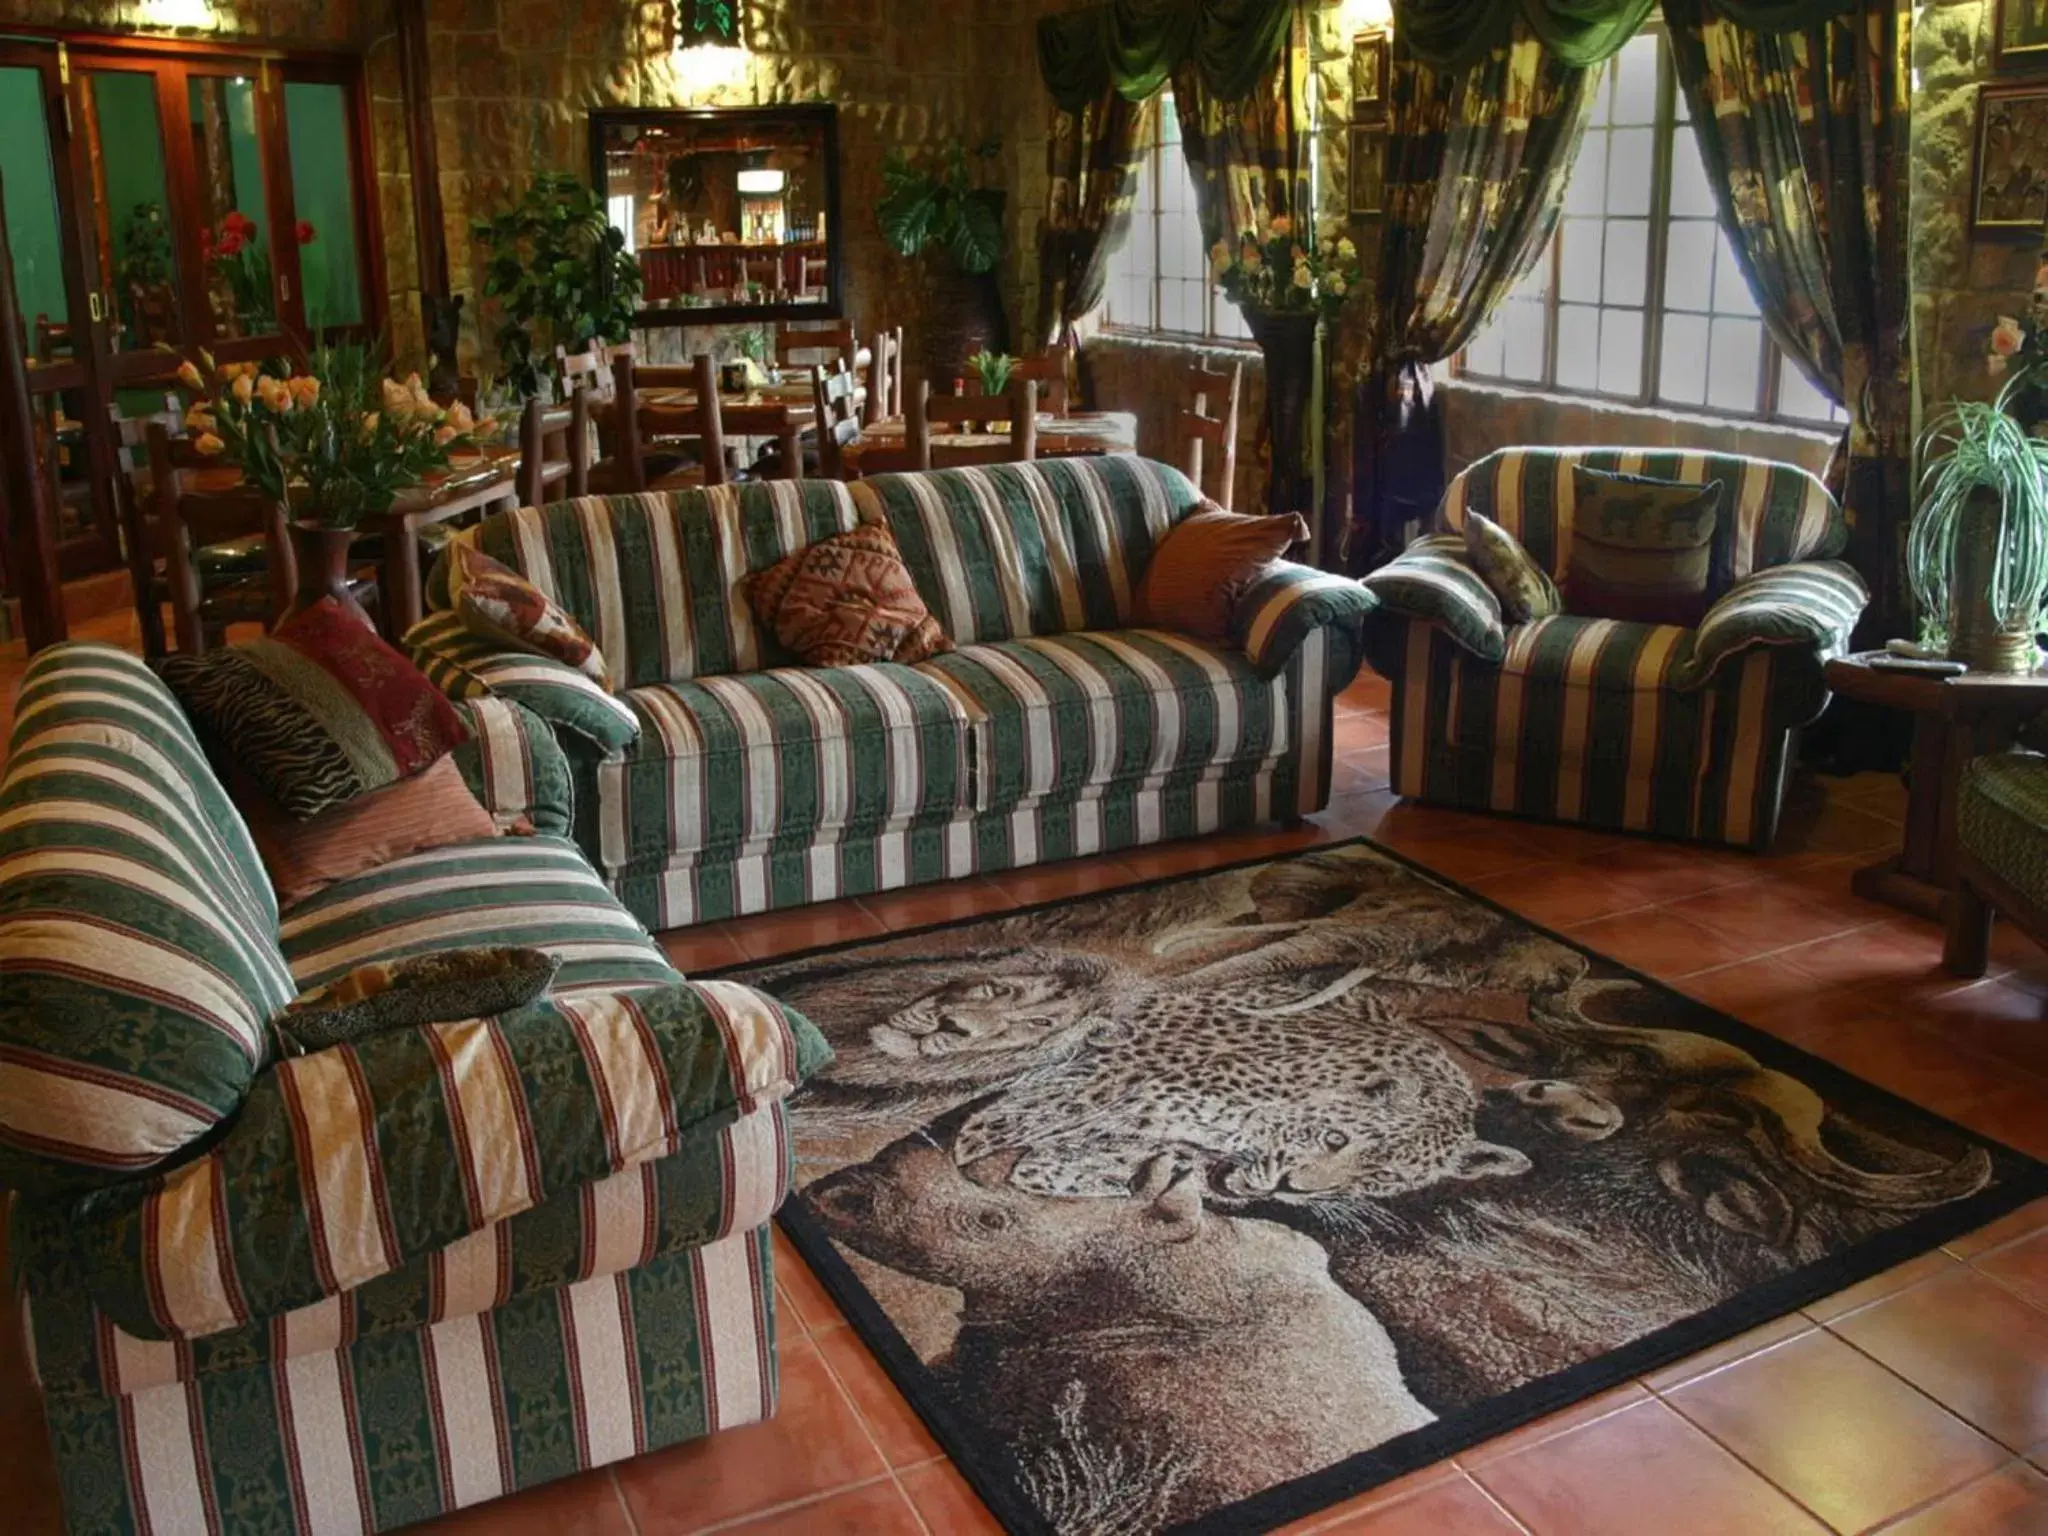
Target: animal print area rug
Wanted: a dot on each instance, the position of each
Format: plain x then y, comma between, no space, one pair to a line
1211,1202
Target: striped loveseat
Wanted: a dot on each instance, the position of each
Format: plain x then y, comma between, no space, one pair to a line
349,1290
1637,727
721,779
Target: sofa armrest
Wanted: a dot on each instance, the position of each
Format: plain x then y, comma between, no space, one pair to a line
465,665
1289,601
344,1165
515,767
1810,604
1432,581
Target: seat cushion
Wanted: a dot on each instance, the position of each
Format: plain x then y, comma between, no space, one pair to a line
2002,818
536,891
1580,683
1064,713
791,754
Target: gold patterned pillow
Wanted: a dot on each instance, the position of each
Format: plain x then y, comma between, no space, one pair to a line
1524,588
1643,549
846,600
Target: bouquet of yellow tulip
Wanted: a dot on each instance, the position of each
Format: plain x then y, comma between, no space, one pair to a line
1280,275
335,443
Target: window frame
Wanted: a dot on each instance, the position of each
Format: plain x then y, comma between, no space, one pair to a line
1771,358
1209,337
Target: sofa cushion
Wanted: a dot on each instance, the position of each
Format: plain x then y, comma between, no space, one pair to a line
1063,714
537,891
794,754
846,600
500,604
1209,560
139,962
430,988
1646,550
1580,686
2002,818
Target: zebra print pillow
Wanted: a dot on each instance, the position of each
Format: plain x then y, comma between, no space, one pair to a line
319,711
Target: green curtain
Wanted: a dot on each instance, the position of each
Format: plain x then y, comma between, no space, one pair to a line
1246,153
1804,134
1092,158
1477,161
1135,46
1452,33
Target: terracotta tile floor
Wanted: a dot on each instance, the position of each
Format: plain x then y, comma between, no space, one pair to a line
1915,1403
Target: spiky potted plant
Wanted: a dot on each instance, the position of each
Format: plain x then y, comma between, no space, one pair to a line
1977,550
939,210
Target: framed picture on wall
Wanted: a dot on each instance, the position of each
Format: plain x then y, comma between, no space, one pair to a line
1369,60
1368,172
2019,34
2010,193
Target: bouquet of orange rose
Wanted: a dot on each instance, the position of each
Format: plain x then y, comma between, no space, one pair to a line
1280,274
336,443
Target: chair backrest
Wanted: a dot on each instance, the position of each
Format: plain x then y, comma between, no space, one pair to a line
135,506
882,398
1210,420
1050,369
188,517
554,449
803,343
832,392
938,416
1781,512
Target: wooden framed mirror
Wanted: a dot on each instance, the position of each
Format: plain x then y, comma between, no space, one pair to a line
733,212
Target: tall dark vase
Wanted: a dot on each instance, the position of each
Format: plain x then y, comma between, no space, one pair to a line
1288,343
322,557
963,315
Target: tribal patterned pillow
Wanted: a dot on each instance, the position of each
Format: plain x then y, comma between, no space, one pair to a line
319,711
495,601
846,600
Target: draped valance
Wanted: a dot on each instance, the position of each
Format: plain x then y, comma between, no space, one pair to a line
1136,45
1449,34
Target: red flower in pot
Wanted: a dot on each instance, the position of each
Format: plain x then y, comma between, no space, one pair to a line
304,232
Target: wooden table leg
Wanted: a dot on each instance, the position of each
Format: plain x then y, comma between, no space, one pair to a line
402,600
790,440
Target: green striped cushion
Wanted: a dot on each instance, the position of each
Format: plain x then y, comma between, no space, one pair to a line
346,1165
1064,714
1781,513
465,665
137,930
722,1179
794,754
1289,603
515,767
1809,603
1433,580
1047,548
537,891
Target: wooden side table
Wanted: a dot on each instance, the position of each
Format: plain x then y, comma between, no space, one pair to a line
1954,720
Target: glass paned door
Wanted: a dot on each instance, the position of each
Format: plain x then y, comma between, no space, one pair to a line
34,235
135,249
321,142
236,238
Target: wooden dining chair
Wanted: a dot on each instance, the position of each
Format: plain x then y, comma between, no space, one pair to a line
832,397
188,521
883,397
644,460
1049,370
804,343
1211,392
554,450
937,416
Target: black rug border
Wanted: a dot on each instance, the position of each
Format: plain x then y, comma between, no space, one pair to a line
2018,1179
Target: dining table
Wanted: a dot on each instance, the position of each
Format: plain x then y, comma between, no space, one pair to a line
783,411
1078,434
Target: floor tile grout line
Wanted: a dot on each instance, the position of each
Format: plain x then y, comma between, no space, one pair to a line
618,1492
736,1522
1884,1365
1740,1460
1893,1522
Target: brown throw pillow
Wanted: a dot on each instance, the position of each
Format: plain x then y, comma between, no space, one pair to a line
319,711
846,600
1642,549
430,810
495,601
1524,588
405,993
1209,560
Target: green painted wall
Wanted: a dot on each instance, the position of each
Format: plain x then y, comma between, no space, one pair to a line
131,147
316,125
31,196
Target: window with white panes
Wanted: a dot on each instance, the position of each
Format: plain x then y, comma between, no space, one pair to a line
1159,278
1638,296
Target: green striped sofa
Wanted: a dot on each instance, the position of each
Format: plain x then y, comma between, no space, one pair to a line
1686,733
350,1290
721,779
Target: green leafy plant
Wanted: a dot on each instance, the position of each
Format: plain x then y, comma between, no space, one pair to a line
145,249
940,204
336,443
1281,274
1975,446
995,369
559,275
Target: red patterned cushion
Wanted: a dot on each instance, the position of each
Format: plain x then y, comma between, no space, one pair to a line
319,711
846,600
497,602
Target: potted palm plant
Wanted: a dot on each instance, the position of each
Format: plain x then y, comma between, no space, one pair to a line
937,211
1977,551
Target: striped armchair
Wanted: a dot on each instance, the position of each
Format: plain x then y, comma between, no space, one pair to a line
1635,727
723,778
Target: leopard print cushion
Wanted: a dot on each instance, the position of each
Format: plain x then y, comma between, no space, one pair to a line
846,600
1524,588
436,988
